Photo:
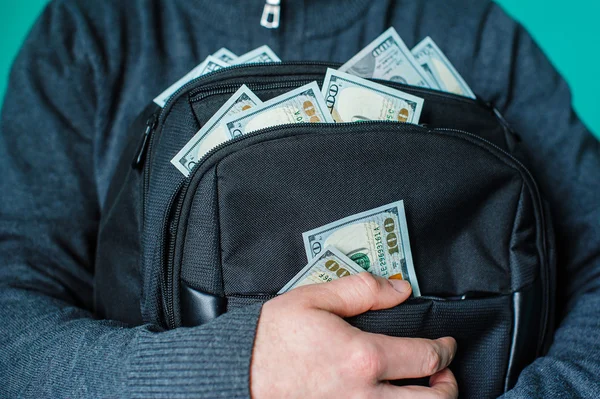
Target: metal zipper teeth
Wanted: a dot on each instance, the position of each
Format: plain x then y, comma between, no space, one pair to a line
261,296
183,187
146,160
167,274
545,285
254,296
230,88
319,76
192,83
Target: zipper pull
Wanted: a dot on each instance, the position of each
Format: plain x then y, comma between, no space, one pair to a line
272,8
138,160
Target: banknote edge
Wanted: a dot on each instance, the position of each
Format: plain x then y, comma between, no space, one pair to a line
412,274
280,99
346,220
343,257
230,102
453,69
378,86
409,56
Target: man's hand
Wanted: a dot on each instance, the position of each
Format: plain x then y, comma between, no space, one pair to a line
304,349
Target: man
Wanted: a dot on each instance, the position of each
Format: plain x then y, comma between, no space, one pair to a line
86,70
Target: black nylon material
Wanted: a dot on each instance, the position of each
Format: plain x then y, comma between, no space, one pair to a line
234,227
202,248
265,206
482,329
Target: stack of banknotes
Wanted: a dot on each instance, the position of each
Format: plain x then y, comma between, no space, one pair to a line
375,241
345,96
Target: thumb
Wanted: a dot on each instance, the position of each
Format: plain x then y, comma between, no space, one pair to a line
356,294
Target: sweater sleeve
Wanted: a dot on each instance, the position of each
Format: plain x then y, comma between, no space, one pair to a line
565,159
51,345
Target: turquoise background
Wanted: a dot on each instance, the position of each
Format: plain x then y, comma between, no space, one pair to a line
569,32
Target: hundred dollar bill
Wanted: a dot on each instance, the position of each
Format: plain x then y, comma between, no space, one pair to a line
225,55
210,64
441,70
329,265
351,99
304,104
261,54
213,132
376,240
388,58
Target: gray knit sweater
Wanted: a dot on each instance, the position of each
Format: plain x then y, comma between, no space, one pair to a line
89,66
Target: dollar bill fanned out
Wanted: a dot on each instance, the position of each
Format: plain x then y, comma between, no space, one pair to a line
388,58
352,99
376,240
304,104
261,54
213,132
225,55
441,70
210,64
329,265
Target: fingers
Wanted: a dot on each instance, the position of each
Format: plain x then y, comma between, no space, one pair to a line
353,295
412,357
442,386
444,383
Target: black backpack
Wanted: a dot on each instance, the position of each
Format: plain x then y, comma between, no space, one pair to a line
178,251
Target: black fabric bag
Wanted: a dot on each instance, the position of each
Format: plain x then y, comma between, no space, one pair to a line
180,251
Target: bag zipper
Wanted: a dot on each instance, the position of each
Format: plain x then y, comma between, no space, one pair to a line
467,296
182,192
167,277
138,159
232,88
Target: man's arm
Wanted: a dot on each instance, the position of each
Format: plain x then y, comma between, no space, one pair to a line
50,345
565,158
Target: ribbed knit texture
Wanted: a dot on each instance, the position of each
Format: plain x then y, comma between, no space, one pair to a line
166,364
89,67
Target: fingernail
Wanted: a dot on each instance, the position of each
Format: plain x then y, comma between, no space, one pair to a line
402,286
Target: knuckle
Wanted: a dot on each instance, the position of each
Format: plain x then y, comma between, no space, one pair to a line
431,360
366,361
370,283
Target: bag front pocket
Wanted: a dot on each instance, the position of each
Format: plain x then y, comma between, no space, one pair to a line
481,327
244,209
460,203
